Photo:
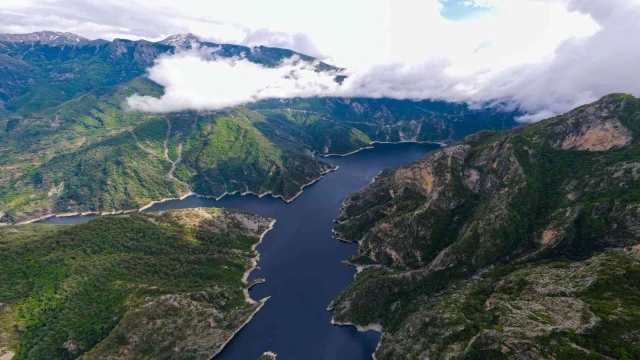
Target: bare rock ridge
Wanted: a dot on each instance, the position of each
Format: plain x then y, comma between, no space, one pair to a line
506,244
181,40
595,127
53,38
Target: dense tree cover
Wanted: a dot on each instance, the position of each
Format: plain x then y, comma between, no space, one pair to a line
74,284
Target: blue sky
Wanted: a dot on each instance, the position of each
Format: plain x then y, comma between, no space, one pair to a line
462,10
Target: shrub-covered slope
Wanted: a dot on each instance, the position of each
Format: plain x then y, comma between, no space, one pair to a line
343,125
495,246
142,286
166,156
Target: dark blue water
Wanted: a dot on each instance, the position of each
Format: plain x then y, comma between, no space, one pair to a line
302,262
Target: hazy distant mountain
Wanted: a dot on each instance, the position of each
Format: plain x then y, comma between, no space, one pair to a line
181,40
53,38
45,69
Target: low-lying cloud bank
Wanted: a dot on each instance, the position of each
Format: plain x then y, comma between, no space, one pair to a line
198,80
578,70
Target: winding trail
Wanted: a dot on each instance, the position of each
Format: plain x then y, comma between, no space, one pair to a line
166,139
175,163
135,137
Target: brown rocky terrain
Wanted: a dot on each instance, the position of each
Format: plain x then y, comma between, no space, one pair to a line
500,245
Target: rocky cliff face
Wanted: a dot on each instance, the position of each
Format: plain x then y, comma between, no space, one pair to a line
462,249
595,127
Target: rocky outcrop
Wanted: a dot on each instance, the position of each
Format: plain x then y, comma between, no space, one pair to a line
268,355
605,136
397,220
593,127
52,38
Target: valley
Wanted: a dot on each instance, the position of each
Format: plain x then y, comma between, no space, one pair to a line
308,227
300,261
104,158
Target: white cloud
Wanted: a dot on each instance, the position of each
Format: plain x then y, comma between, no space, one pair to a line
302,43
196,80
581,70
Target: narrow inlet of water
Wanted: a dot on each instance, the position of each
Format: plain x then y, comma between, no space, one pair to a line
302,262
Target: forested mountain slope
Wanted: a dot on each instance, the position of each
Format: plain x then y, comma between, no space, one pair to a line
518,244
69,143
142,286
40,70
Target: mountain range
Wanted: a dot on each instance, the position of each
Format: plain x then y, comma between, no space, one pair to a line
70,144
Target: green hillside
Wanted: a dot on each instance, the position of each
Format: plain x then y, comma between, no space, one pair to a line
141,286
70,143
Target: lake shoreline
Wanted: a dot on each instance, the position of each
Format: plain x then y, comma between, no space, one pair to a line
255,311
245,290
254,264
297,222
370,327
217,198
371,144
182,197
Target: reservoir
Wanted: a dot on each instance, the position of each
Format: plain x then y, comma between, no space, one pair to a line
302,262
